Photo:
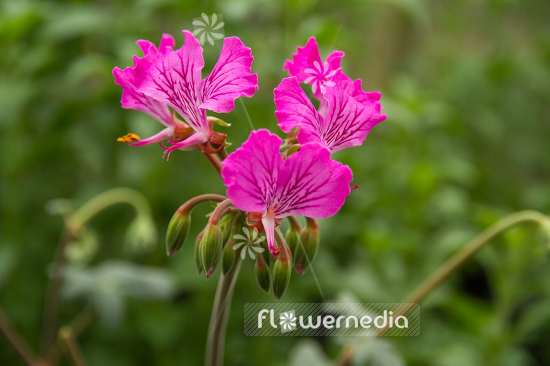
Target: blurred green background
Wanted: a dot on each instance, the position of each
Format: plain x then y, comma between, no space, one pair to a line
465,85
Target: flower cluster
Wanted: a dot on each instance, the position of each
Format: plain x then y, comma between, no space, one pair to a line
267,178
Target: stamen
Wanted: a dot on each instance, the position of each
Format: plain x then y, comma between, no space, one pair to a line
128,138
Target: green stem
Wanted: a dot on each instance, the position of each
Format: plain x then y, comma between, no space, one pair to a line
73,225
105,200
470,249
220,313
456,261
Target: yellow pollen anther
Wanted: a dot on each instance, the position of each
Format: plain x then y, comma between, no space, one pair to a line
128,138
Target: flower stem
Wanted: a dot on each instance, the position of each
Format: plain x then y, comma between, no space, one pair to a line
471,248
219,211
213,159
73,225
455,262
189,205
220,314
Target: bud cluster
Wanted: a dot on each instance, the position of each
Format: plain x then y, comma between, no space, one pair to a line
217,243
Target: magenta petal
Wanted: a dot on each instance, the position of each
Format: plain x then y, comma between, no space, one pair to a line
303,59
230,78
166,43
133,99
250,173
294,109
165,134
312,184
334,59
175,79
353,88
346,122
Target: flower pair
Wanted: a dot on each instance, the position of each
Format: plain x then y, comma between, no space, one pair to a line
308,183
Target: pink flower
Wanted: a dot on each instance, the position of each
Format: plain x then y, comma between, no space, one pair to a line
173,78
342,120
307,183
308,67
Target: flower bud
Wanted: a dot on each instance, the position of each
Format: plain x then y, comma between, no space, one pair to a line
225,226
228,256
281,271
177,231
292,239
211,248
261,270
198,252
307,250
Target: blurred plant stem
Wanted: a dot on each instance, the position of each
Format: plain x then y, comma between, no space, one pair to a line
220,312
17,342
71,347
471,248
73,224
456,261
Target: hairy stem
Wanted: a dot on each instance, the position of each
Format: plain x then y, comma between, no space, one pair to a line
220,313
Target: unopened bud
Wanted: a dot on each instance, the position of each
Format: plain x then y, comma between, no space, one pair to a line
225,225
198,252
281,271
177,231
307,249
261,270
211,248
228,256
292,238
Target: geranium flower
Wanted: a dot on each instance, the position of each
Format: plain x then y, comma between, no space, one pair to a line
342,120
307,183
309,68
173,78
